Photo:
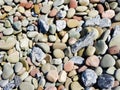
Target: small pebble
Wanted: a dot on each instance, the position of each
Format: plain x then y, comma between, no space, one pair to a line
68,66
108,14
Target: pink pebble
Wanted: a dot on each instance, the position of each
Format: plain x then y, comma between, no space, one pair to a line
68,66
108,14
50,88
73,4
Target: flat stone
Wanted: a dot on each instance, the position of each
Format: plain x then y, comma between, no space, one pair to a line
26,86
73,3
7,23
9,2
71,12
111,70
84,2
3,83
52,29
53,12
61,24
113,5
46,8
117,17
68,66
61,14
99,70
114,50
90,50
56,61
17,25
58,3
116,30
25,22
71,23
1,2
72,73
107,61
62,76
103,81
18,66
8,31
37,9
117,76
87,77
21,9
108,14
52,38
6,75
118,63
117,88
61,46
51,88
76,86
24,75
77,60
74,34
93,13
58,53
81,8
105,22
52,77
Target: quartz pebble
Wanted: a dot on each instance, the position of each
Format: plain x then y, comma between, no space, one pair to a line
24,84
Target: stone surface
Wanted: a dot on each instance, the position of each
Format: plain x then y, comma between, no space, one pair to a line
117,74
84,2
114,50
71,13
62,76
108,14
77,60
60,24
76,86
18,66
58,53
71,23
68,66
24,84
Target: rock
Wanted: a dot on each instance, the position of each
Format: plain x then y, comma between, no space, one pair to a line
24,43
70,13
99,70
74,34
24,75
111,70
52,77
58,53
18,66
114,50
17,81
61,14
94,1
50,88
81,8
113,5
9,2
53,12
21,9
72,73
107,61
116,30
76,86
90,50
101,47
61,46
92,61
105,22
62,76
6,75
118,63
56,61
108,14
37,9
34,72
117,17
58,3
93,13
8,31
87,77
30,28
82,69
67,83
117,88
61,24
7,23
100,8
103,81
68,66
84,2
3,83
52,38
77,60
25,22
1,2
46,8
71,23
114,41
52,29
72,41
65,38
44,47
73,4
17,25
60,87
117,76
26,86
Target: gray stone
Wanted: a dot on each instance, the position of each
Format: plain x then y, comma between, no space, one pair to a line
76,86
58,3
77,60
7,67
117,88
116,31
74,34
52,29
8,31
1,2
52,38
46,8
18,66
105,22
111,70
117,17
117,74
9,2
17,81
99,70
3,83
61,24
42,81
26,86
106,81
17,25
107,61
9,86
30,28
87,77
56,61
25,22
7,24
61,14
113,5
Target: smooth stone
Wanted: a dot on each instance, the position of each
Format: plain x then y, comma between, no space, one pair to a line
8,31
7,67
61,24
58,53
18,66
70,13
107,61
74,34
3,83
26,86
84,2
21,9
6,45
35,83
24,43
93,13
24,75
52,77
114,41
51,88
103,81
105,22
9,2
92,61
52,29
76,86
90,50
13,57
118,63
117,76
17,25
61,14
117,17
53,12
58,3
87,77
52,38
37,9
62,76
32,34
61,46
42,81
81,8
73,3
99,70
46,8
71,23
67,83
108,14
7,24
65,38
100,8
72,73
68,66
116,30
94,1
113,5
68,52
101,47
114,50
45,47
111,70
56,61
117,88
2,2
25,22
77,60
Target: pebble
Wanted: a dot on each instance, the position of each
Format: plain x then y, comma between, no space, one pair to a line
52,38
107,61
114,50
7,75
100,8
118,63
8,31
45,9
81,8
71,13
84,2
9,2
61,46
68,66
87,77
52,29
76,86
113,5
17,25
37,9
3,83
24,75
93,13
21,9
74,34
92,61
73,4
77,60
58,53
117,17
53,12
103,81
90,50
60,24
99,70
58,3
56,61
18,66
52,77
25,22
62,76
71,23
1,2
51,88
117,76
24,84
108,14
72,73
105,22
111,70
117,88
94,1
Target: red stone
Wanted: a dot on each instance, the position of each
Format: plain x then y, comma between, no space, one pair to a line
100,8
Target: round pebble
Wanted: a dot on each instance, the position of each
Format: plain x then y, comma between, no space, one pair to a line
68,66
58,53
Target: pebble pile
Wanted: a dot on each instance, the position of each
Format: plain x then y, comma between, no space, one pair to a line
59,44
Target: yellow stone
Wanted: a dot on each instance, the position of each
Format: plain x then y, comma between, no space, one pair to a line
71,23
37,9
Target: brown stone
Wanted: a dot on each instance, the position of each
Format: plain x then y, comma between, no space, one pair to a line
100,8
82,69
114,50
34,71
61,87
94,1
